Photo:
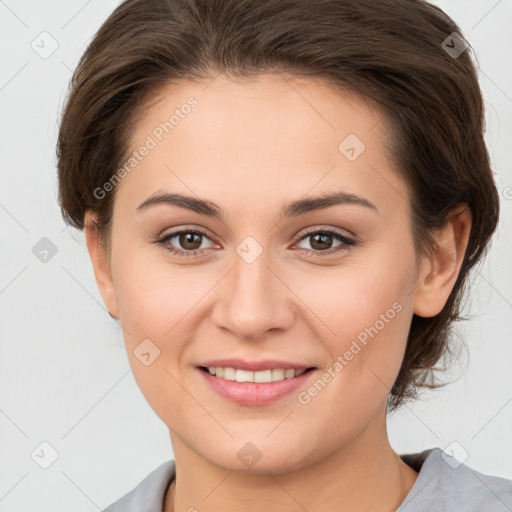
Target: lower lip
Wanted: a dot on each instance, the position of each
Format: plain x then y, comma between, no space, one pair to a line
252,393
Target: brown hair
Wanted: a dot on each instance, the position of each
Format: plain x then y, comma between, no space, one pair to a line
391,51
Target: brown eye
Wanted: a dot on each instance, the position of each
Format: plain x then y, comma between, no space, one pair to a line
321,242
187,242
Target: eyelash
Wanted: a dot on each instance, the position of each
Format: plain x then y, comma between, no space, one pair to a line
346,242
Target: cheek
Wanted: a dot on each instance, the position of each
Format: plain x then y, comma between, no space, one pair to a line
352,299
365,309
157,302
153,295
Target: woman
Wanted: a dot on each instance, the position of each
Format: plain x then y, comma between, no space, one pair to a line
282,201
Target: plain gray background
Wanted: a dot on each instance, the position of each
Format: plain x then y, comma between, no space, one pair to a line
64,375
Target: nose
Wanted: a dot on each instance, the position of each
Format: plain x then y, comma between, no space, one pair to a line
253,299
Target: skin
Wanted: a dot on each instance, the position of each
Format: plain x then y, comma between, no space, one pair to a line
251,146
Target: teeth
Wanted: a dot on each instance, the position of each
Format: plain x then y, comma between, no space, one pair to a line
247,376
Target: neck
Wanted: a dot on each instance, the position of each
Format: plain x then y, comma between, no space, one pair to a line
365,475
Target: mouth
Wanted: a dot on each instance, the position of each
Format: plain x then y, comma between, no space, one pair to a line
255,388
261,376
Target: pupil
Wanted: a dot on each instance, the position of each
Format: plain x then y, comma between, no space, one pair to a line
324,238
187,238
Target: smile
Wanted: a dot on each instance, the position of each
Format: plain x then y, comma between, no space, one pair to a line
239,375
255,388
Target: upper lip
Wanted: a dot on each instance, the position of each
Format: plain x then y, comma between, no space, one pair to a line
254,366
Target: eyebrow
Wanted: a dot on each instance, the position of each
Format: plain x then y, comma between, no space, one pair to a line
293,209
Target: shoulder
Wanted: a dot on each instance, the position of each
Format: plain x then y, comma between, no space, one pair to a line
149,494
444,483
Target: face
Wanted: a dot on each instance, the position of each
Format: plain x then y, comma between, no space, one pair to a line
261,272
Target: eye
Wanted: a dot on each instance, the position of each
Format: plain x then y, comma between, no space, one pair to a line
322,239
189,242
189,239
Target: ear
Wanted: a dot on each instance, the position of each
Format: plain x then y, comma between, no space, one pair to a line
100,263
439,271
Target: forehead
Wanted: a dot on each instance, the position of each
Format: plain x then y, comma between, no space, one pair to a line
261,104
267,134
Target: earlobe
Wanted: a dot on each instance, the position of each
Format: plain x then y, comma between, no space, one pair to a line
100,263
439,270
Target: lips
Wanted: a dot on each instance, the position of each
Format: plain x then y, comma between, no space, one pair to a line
254,393
255,366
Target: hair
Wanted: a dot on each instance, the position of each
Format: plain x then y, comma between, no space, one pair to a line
390,52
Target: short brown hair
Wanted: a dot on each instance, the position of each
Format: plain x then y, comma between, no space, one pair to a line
391,51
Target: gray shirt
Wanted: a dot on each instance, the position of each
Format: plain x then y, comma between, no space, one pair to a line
443,485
